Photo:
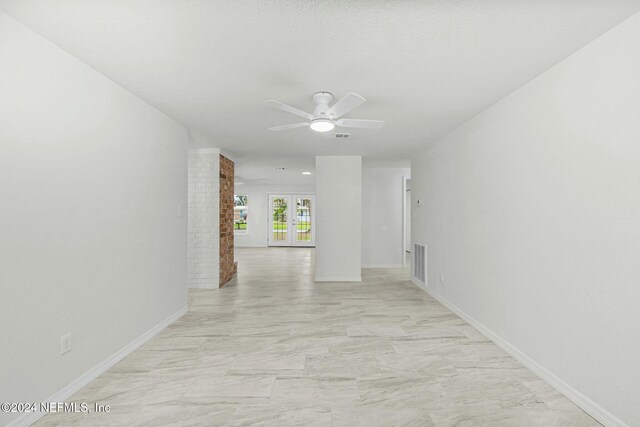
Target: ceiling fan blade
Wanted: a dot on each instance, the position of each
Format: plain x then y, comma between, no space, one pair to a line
346,104
292,126
357,123
288,109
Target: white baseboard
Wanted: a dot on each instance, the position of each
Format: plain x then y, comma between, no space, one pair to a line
420,285
603,416
203,286
240,246
382,265
99,369
338,279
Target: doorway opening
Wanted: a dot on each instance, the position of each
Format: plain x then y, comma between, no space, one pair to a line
407,221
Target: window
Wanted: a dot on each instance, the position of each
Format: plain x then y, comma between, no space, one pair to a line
240,212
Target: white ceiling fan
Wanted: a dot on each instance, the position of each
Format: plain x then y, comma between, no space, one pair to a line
324,117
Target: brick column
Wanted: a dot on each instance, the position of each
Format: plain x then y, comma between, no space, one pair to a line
227,261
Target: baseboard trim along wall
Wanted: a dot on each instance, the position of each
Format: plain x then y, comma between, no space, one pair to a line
99,369
583,402
382,266
420,285
203,286
338,279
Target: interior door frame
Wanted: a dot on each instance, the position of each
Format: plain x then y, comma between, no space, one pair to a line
291,219
406,240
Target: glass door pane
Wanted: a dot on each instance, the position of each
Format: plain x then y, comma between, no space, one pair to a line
303,228
280,221
303,219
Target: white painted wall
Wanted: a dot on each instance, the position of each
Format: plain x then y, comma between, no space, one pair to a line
258,201
338,218
382,216
91,179
532,211
204,218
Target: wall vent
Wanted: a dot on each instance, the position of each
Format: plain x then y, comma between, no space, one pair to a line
343,135
419,262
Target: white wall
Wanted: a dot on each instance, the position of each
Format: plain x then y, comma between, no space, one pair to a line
382,216
532,211
204,218
258,201
91,179
338,218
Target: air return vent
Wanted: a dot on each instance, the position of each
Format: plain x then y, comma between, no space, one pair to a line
419,262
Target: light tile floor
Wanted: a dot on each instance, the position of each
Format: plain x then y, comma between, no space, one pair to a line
273,348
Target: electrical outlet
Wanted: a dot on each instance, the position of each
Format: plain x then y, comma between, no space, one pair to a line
442,278
65,343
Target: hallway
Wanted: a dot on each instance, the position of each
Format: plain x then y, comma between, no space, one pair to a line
274,348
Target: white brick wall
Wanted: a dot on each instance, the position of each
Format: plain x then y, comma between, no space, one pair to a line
203,212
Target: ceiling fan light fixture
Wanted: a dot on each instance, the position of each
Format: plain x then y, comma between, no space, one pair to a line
322,125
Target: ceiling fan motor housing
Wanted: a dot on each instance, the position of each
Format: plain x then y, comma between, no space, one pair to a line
322,100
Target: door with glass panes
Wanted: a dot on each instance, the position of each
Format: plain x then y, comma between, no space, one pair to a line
291,220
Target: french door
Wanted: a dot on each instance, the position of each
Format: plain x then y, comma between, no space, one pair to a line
291,220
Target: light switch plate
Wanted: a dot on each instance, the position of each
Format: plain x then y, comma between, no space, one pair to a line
65,343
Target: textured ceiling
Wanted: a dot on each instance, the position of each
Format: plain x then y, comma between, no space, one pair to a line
424,66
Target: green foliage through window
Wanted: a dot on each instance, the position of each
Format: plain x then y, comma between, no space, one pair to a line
240,212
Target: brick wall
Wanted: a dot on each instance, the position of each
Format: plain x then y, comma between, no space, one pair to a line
227,261
203,231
